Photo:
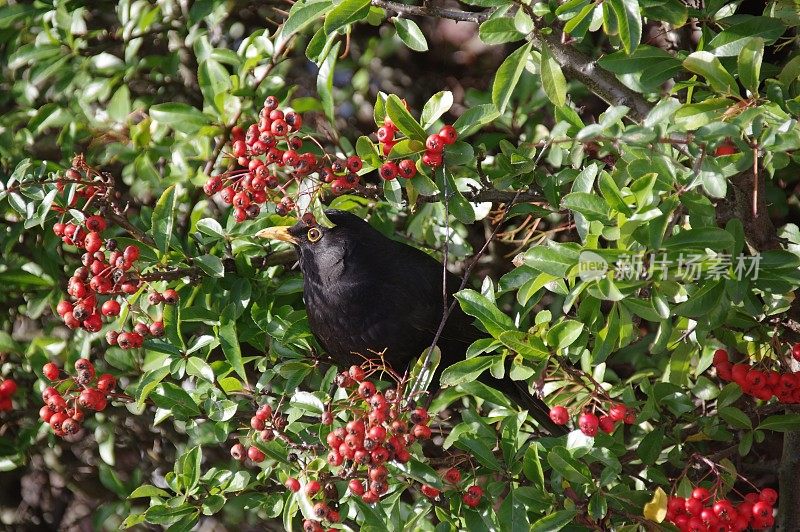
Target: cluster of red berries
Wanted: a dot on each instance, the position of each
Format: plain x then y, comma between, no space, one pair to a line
270,154
703,512
8,387
63,411
471,497
144,327
104,271
589,422
406,168
322,510
760,383
379,432
267,425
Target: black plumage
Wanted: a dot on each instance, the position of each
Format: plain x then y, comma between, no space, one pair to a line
365,292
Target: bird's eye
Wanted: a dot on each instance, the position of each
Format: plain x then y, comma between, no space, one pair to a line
314,234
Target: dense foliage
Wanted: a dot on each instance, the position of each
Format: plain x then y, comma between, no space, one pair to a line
620,190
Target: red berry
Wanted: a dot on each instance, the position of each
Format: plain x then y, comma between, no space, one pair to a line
762,510
448,134
366,389
388,171
170,296
796,351
356,487
432,159
106,382
63,307
769,496
292,484
131,253
720,355
559,415
588,423
335,459
726,148
110,308
407,168
50,371
693,506
452,475
434,143
385,134
312,488
238,452
7,388
473,496
429,491
255,454
607,424
354,163
356,373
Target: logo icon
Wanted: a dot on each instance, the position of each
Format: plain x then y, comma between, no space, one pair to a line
591,266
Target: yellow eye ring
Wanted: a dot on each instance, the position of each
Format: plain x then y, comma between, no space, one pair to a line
314,234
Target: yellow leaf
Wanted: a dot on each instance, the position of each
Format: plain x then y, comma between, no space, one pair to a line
700,436
656,509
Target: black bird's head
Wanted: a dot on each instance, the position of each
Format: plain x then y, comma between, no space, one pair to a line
322,250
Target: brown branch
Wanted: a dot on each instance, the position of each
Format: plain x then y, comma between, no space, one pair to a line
276,258
484,195
574,63
432,11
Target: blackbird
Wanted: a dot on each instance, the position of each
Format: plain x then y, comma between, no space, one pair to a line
365,292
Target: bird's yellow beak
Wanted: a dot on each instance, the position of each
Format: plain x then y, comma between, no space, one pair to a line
280,232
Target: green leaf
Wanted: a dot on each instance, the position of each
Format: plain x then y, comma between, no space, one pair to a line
701,238
119,106
162,514
479,306
554,522
702,301
508,75
410,34
147,490
553,81
513,513
708,66
187,467
629,23
397,111
499,30
568,467
465,371
211,265
733,39
529,347
750,58
229,341
781,423
179,116
198,367
480,451
474,118
325,81
555,260
649,449
214,79
735,417
344,13
592,206
210,227
163,225
302,14
172,397
436,106
564,334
